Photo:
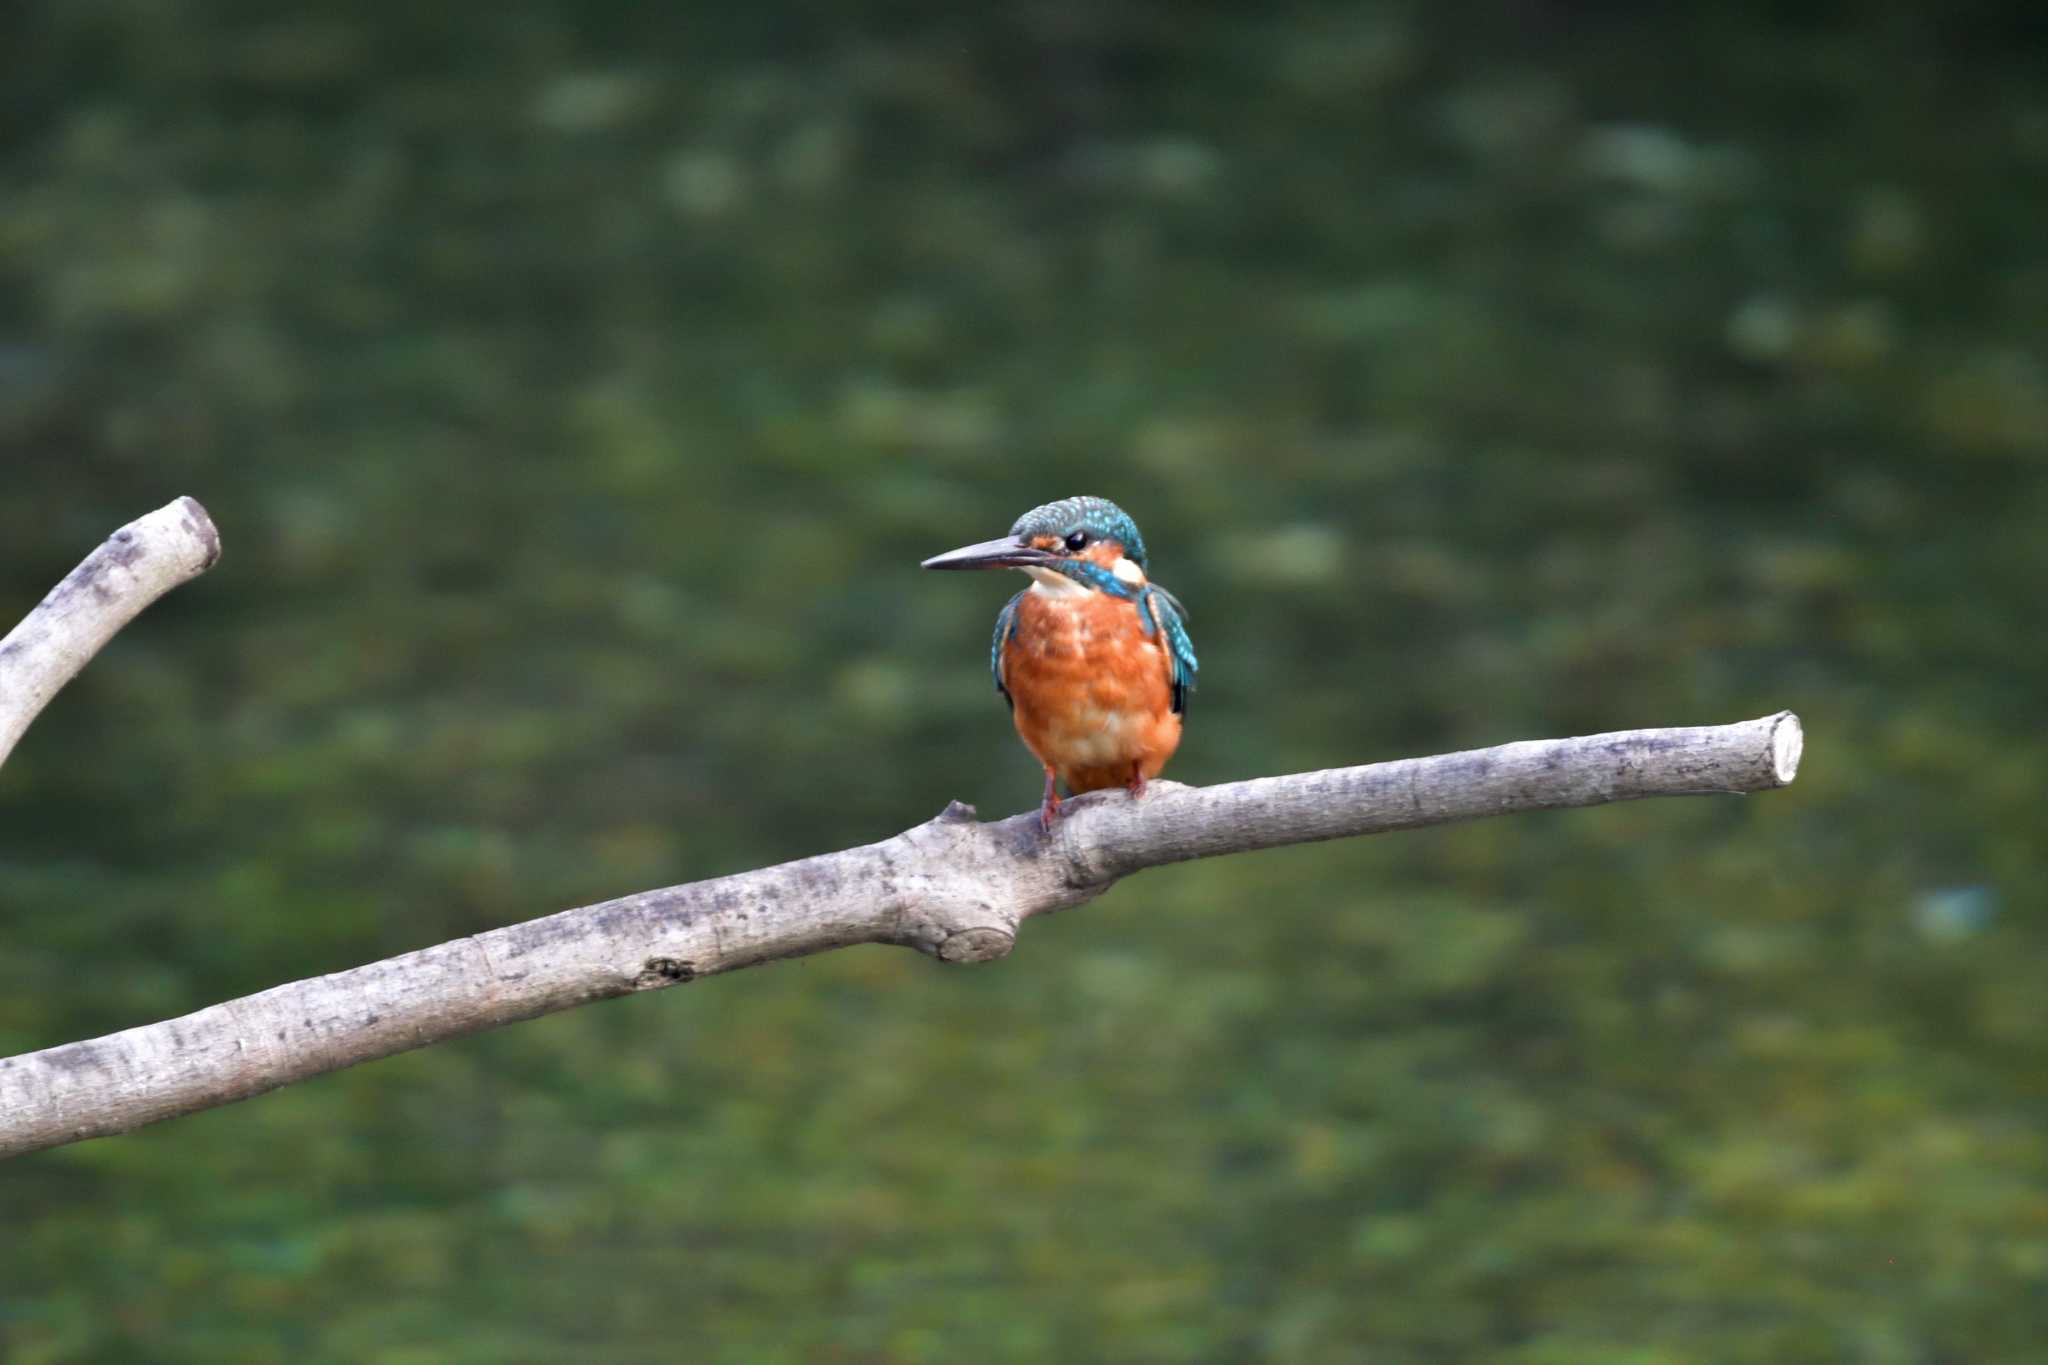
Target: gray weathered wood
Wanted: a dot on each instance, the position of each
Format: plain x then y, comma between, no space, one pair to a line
136,565
952,887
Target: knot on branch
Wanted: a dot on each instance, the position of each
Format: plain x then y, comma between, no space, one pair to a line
976,945
657,972
970,884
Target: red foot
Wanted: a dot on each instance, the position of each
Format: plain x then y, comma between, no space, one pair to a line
1136,786
1049,810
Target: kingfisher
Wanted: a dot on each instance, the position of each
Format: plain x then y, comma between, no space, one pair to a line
1093,658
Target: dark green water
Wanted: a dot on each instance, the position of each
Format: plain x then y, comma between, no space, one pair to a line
577,387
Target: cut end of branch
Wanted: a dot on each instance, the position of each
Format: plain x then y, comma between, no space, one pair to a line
199,526
1788,742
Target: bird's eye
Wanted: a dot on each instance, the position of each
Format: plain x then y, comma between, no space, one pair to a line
1077,540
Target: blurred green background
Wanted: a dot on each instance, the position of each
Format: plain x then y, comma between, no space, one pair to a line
577,386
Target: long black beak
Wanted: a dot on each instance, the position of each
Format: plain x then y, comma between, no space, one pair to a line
1007,553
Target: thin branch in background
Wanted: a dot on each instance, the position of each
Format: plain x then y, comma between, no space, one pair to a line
138,564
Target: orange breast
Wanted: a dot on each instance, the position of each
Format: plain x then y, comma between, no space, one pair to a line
1090,692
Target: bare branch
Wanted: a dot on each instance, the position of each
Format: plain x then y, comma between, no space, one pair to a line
138,564
952,887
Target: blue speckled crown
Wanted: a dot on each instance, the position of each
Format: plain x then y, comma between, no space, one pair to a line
1096,516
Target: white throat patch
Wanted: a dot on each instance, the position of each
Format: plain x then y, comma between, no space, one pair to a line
1053,583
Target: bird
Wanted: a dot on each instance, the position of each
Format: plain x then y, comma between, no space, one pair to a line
1093,658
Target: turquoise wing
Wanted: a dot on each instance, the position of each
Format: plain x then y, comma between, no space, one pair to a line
1164,613
1006,630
